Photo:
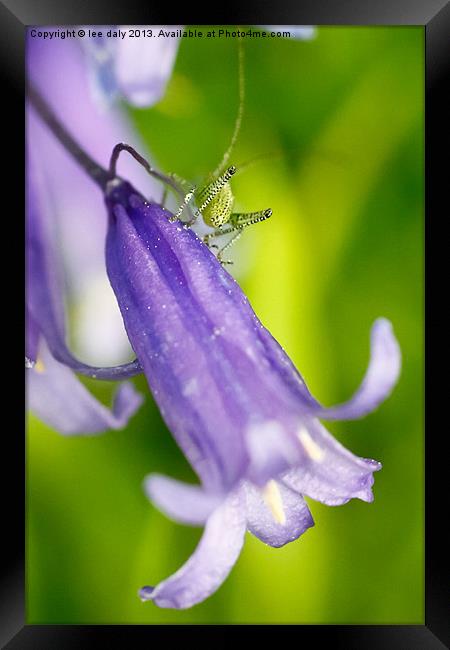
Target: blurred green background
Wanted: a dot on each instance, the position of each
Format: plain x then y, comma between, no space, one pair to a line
344,115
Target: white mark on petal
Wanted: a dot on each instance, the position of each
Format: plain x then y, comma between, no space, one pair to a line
272,497
312,448
39,366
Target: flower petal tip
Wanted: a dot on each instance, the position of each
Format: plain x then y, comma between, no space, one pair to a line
374,465
380,378
182,502
127,400
145,593
366,496
383,333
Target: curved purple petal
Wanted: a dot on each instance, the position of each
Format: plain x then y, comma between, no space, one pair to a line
58,398
379,380
329,472
181,502
210,563
276,514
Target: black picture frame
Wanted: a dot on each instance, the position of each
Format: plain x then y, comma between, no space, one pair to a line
434,15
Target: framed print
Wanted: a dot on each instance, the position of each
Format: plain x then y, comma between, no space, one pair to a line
225,237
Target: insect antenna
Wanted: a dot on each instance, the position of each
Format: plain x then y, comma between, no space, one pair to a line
278,153
336,158
237,124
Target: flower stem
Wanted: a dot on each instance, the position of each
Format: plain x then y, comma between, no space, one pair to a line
145,164
98,174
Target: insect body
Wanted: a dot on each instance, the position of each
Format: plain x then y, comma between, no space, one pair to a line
218,210
219,214
215,203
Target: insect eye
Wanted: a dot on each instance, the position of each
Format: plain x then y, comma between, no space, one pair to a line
232,170
268,213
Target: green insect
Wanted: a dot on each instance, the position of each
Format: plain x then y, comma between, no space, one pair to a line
215,199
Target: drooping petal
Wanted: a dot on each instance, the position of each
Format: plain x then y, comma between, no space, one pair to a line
380,378
184,503
143,66
58,398
276,514
210,563
329,472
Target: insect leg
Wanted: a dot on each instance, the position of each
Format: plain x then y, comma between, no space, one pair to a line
238,221
184,203
244,219
217,233
228,245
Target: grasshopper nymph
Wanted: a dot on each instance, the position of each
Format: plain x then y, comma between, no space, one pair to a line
215,200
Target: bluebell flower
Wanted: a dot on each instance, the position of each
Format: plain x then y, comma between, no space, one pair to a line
66,230
236,405
55,394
